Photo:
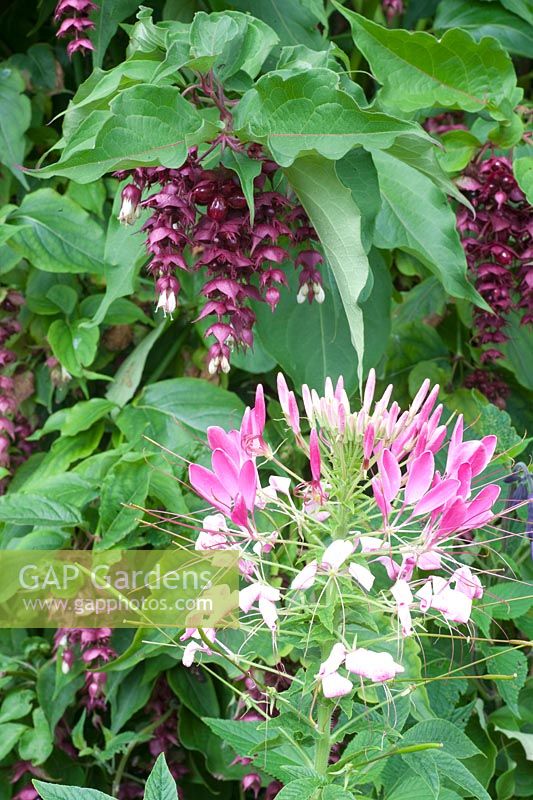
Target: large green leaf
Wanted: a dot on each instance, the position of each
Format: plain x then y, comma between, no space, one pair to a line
78,417
297,115
129,374
417,70
58,235
312,342
149,125
74,345
517,351
295,22
452,738
15,116
482,20
195,690
229,42
337,221
416,217
125,484
101,86
107,17
32,509
193,403
123,253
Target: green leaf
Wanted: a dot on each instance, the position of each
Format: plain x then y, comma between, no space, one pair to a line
160,784
10,733
195,690
74,345
295,22
337,221
36,744
52,791
523,172
425,766
59,236
149,125
126,483
228,42
482,20
517,350
416,217
123,254
40,64
456,772
15,116
16,705
32,509
297,115
247,169
90,196
459,149
100,87
107,17
80,417
525,739
194,403
511,662
357,171
440,730
298,789
129,374
418,71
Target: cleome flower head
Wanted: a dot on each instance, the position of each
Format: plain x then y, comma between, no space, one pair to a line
392,495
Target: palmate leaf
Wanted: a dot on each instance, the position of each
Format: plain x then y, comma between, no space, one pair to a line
307,113
148,125
416,70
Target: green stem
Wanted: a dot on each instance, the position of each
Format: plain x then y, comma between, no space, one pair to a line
324,743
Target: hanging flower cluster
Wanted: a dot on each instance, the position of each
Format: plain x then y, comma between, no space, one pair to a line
200,220
15,386
95,650
498,246
75,24
376,499
490,384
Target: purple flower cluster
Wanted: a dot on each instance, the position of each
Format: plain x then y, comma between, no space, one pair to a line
75,24
95,650
498,246
14,427
488,383
200,220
